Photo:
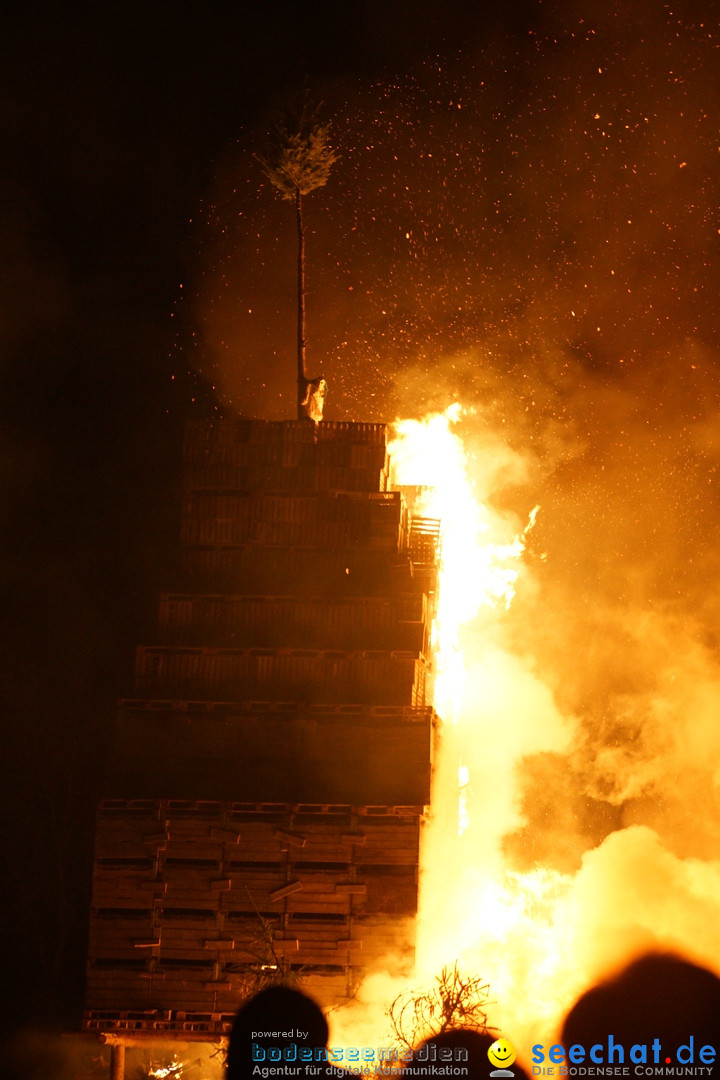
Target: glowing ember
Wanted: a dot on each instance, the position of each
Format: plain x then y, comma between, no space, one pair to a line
175,1068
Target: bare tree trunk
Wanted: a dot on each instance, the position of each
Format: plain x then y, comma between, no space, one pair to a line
301,372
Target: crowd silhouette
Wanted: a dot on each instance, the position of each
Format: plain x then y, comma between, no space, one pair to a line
659,1012
658,996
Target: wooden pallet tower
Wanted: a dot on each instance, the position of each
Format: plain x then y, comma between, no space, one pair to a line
272,769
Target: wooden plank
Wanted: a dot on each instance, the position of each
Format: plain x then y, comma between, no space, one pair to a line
286,890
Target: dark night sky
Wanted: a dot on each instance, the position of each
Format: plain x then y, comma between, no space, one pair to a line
124,122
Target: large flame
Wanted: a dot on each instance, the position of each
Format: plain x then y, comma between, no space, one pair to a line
541,936
481,910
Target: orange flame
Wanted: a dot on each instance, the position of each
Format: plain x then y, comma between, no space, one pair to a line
476,569
540,937
489,911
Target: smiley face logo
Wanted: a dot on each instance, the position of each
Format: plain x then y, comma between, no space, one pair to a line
502,1053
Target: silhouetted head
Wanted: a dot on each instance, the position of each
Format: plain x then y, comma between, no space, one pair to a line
658,996
458,1042
273,1022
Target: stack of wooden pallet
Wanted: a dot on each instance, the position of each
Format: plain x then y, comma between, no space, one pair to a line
270,774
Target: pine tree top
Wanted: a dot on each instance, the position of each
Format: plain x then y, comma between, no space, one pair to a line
300,156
